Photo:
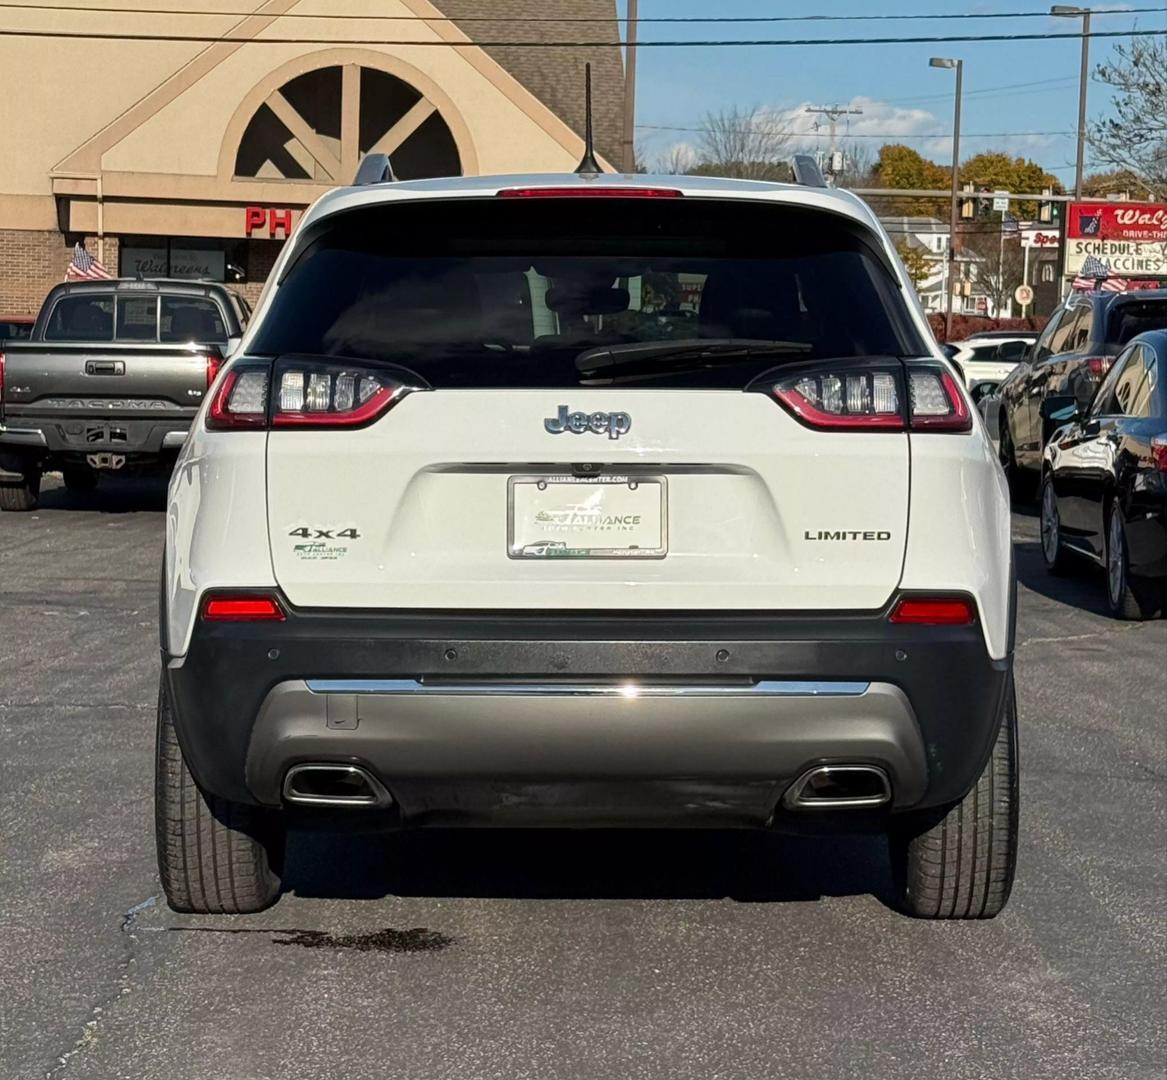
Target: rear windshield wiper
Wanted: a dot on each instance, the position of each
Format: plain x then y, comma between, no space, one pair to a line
696,353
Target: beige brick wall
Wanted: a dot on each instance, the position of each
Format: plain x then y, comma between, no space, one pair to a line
31,263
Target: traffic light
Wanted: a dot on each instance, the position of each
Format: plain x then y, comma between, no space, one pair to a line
1045,209
968,204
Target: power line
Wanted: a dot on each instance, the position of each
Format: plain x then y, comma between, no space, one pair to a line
865,134
984,91
930,39
583,19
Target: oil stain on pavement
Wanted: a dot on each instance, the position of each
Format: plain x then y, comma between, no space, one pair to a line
386,940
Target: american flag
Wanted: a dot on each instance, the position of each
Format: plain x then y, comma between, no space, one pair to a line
1096,274
85,267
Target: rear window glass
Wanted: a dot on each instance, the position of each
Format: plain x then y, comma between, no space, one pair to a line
137,318
510,292
14,331
1135,317
189,318
81,318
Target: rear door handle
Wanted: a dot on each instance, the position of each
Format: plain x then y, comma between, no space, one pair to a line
105,367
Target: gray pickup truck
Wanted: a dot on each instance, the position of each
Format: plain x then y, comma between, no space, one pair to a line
109,380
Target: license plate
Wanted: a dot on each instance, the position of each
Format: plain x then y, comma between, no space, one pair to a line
569,517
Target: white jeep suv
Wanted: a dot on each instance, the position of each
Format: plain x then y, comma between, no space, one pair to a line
588,501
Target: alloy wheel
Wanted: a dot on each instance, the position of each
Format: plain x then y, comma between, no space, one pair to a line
1050,523
1115,570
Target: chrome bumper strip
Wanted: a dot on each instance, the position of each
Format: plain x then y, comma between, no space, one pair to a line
630,689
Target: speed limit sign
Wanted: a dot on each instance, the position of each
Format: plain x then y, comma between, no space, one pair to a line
1023,294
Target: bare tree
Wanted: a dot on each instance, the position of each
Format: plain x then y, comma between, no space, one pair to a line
747,143
1135,137
679,159
858,165
998,260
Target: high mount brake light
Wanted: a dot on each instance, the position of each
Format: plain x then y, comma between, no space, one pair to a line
590,192
305,393
933,611
837,396
242,608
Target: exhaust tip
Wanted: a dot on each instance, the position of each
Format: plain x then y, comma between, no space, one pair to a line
828,787
334,785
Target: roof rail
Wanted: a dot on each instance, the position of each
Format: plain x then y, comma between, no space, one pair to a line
806,171
374,169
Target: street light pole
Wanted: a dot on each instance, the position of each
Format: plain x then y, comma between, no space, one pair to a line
1065,11
954,208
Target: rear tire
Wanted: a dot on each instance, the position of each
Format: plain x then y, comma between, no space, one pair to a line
1057,559
962,866
214,857
23,494
79,479
1128,598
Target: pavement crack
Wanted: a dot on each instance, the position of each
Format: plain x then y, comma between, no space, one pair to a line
1110,630
89,1030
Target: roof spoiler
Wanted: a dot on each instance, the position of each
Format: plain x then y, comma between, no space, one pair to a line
374,169
806,171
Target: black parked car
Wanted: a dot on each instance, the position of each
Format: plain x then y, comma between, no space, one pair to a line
1064,367
1104,482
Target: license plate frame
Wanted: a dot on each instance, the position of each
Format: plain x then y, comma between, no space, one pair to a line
522,547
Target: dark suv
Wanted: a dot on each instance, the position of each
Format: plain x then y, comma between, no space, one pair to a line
1064,367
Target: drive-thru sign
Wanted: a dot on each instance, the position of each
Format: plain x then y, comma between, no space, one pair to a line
1131,240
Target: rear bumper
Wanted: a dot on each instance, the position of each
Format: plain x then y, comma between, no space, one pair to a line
529,719
43,436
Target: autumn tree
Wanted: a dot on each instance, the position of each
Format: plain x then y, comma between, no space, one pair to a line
997,171
916,261
900,166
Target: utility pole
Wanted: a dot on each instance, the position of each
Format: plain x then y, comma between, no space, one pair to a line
629,147
954,209
833,113
1067,12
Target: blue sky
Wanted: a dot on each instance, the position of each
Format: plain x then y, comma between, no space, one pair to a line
901,96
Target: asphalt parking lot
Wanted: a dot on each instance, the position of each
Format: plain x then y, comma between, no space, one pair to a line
552,954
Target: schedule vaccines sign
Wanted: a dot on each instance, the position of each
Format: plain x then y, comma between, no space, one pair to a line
1130,240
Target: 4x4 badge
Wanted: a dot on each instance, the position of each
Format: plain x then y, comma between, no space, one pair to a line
615,423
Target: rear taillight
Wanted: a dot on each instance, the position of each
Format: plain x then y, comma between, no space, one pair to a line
872,397
1159,451
1,378
240,607
305,393
933,611
1099,365
214,364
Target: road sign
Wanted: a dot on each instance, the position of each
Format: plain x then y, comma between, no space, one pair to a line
1023,294
1001,200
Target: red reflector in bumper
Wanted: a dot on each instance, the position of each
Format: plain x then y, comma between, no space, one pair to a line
933,611
589,192
242,609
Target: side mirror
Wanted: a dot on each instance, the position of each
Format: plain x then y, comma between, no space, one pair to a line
1084,392
1012,352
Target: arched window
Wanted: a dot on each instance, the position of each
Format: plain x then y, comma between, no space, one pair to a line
316,122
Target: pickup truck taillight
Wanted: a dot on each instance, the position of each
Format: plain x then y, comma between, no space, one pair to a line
1,378
1158,450
1099,365
214,365
873,396
306,393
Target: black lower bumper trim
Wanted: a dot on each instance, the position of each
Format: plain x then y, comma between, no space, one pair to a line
954,689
